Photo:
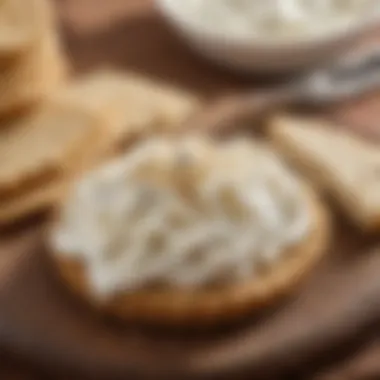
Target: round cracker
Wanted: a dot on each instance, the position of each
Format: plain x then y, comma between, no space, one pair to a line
211,306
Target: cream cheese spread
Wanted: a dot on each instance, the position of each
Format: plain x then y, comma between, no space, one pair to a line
276,19
186,214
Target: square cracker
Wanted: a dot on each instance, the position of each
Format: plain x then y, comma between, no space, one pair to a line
344,165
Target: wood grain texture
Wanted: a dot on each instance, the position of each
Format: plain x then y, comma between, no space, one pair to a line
333,316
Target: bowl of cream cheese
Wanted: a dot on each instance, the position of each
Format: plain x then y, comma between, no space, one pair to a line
271,36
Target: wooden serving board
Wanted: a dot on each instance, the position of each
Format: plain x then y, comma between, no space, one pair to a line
334,312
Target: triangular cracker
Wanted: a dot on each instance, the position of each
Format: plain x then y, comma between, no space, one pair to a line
343,164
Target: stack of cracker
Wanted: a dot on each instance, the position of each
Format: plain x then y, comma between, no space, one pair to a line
67,126
76,127
31,62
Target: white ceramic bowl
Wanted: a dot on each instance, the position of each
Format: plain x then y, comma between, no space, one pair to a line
260,57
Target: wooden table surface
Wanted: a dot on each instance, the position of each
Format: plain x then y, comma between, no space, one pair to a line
129,34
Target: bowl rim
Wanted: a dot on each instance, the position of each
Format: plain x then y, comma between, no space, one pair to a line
186,24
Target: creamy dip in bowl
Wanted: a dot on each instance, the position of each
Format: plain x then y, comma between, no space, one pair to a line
272,36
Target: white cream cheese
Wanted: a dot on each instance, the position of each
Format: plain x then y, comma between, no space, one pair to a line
276,19
183,214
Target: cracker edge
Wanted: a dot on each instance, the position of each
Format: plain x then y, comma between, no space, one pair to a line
298,157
